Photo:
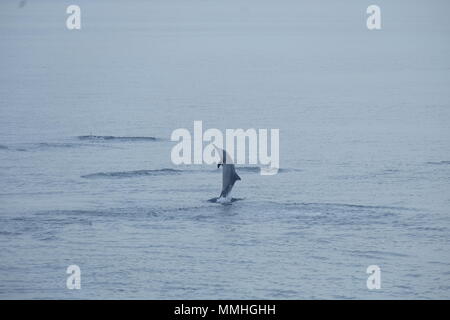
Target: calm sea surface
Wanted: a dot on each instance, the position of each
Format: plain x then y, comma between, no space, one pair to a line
86,176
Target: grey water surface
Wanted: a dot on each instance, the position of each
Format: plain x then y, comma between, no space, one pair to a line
86,176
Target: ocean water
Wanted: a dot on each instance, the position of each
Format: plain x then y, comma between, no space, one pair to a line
86,176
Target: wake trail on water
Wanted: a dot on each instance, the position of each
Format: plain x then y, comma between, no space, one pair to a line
116,138
134,173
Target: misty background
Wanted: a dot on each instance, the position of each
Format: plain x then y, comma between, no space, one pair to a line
364,149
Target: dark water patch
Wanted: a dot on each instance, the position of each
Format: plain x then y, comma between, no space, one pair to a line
116,138
444,162
214,200
42,145
6,148
46,236
431,229
37,225
251,169
130,213
440,263
8,233
321,258
347,205
165,171
307,215
52,220
284,294
387,172
85,213
413,275
374,254
132,174
248,169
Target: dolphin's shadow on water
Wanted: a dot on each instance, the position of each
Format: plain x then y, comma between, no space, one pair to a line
214,200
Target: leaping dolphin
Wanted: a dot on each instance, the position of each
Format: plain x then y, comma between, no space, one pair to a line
229,175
